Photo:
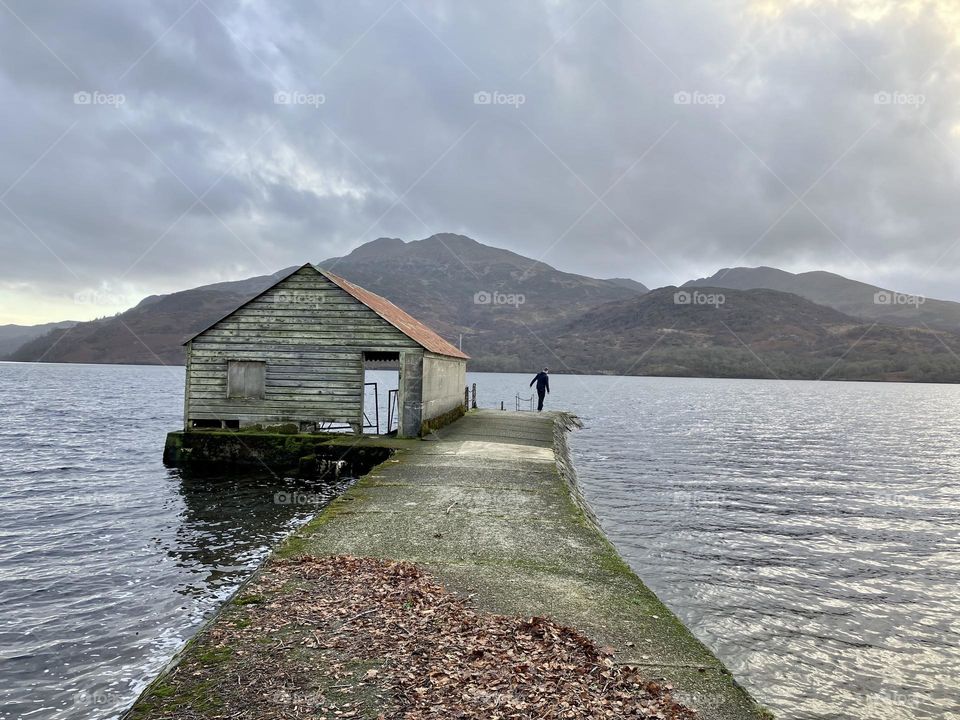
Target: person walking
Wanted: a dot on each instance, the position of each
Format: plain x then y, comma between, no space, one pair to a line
543,386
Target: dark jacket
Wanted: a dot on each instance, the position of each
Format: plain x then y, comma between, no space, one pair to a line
543,382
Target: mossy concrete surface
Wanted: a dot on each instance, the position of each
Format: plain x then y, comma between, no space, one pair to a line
305,454
489,505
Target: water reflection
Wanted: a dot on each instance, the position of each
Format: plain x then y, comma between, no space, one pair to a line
227,521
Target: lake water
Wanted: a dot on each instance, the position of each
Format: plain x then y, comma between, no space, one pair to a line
109,561
809,533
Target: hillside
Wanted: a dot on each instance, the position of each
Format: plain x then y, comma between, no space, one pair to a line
753,333
515,313
638,287
149,333
13,337
453,283
861,300
458,285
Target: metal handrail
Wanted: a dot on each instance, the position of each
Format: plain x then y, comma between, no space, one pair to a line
376,407
393,400
520,399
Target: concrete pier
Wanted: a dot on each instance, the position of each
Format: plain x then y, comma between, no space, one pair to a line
489,505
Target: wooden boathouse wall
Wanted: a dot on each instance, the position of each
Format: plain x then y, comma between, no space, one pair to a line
305,337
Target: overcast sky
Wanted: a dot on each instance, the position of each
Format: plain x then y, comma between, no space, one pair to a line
153,146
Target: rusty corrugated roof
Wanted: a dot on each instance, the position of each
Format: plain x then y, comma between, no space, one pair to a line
405,323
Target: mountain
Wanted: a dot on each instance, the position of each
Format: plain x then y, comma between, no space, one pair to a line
458,285
149,333
722,332
638,287
13,337
453,283
861,300
515,313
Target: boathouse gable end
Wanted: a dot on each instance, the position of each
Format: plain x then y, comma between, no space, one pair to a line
295,354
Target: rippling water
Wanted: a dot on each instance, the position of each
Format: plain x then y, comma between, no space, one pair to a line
809,533
109,561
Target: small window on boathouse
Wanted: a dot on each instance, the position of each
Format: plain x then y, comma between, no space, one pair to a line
246,379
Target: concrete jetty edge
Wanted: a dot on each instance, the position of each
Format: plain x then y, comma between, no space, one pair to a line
731,699
491,506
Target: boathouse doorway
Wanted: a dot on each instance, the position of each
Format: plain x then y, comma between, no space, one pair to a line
381,392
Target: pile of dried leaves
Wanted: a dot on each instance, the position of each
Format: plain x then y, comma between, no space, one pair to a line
346,637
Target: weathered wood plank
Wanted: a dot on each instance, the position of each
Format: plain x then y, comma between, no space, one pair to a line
277,357
286,372
292,387
219,357
229,412
304,331
250,319
310,371
310,334
348,334
294,395
278,419
312,383
279,352
343,309
296,402
347,340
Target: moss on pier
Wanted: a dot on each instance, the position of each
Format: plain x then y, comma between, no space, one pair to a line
493,510
282,453
434,424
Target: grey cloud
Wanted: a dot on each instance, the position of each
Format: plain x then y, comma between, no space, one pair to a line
116,198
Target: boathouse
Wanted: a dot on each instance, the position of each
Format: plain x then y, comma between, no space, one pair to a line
295,354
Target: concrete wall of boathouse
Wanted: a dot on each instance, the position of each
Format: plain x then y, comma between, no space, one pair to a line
443,381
